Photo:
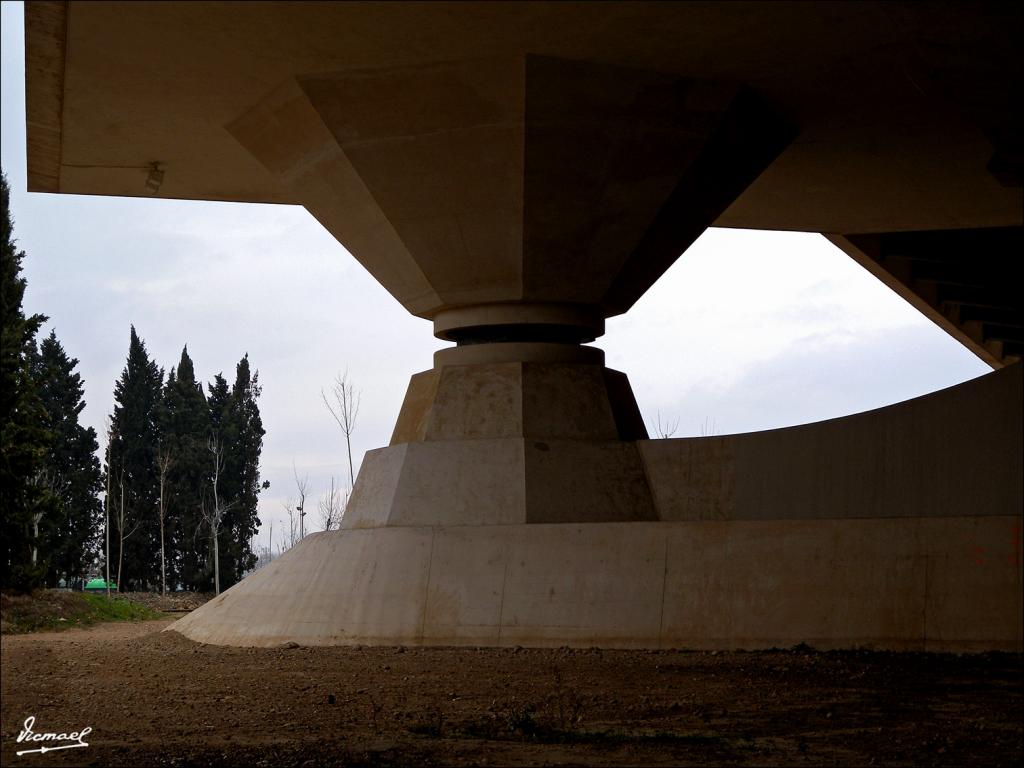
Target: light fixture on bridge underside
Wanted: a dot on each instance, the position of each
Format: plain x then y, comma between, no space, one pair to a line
154,178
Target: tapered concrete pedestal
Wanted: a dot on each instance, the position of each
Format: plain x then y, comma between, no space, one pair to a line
540,433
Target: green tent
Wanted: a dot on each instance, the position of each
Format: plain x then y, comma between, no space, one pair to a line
99,585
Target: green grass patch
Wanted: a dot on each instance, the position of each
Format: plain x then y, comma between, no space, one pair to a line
53,609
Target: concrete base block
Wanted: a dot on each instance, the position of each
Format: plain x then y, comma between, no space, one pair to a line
950,584
531,400
503,481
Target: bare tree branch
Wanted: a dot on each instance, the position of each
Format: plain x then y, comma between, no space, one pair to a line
293,529
164,462
332,507
302,486
122,520
106,502
666,430
48,482
213,515
345,411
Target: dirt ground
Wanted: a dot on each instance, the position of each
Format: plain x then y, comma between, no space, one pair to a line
155,698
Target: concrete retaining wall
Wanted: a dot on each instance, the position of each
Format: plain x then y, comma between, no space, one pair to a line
955,452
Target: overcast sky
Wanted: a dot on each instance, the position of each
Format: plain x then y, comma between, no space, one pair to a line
747,331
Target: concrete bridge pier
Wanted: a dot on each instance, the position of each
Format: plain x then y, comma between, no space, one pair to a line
516,173
517,204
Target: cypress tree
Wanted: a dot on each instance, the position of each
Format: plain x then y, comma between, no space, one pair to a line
23,439
71,466
186,430
219,401
241,429
134,437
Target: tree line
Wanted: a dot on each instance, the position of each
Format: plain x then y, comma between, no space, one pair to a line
174,502
49,472
183,478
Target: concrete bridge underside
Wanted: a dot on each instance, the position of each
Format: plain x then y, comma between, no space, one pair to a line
518,172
